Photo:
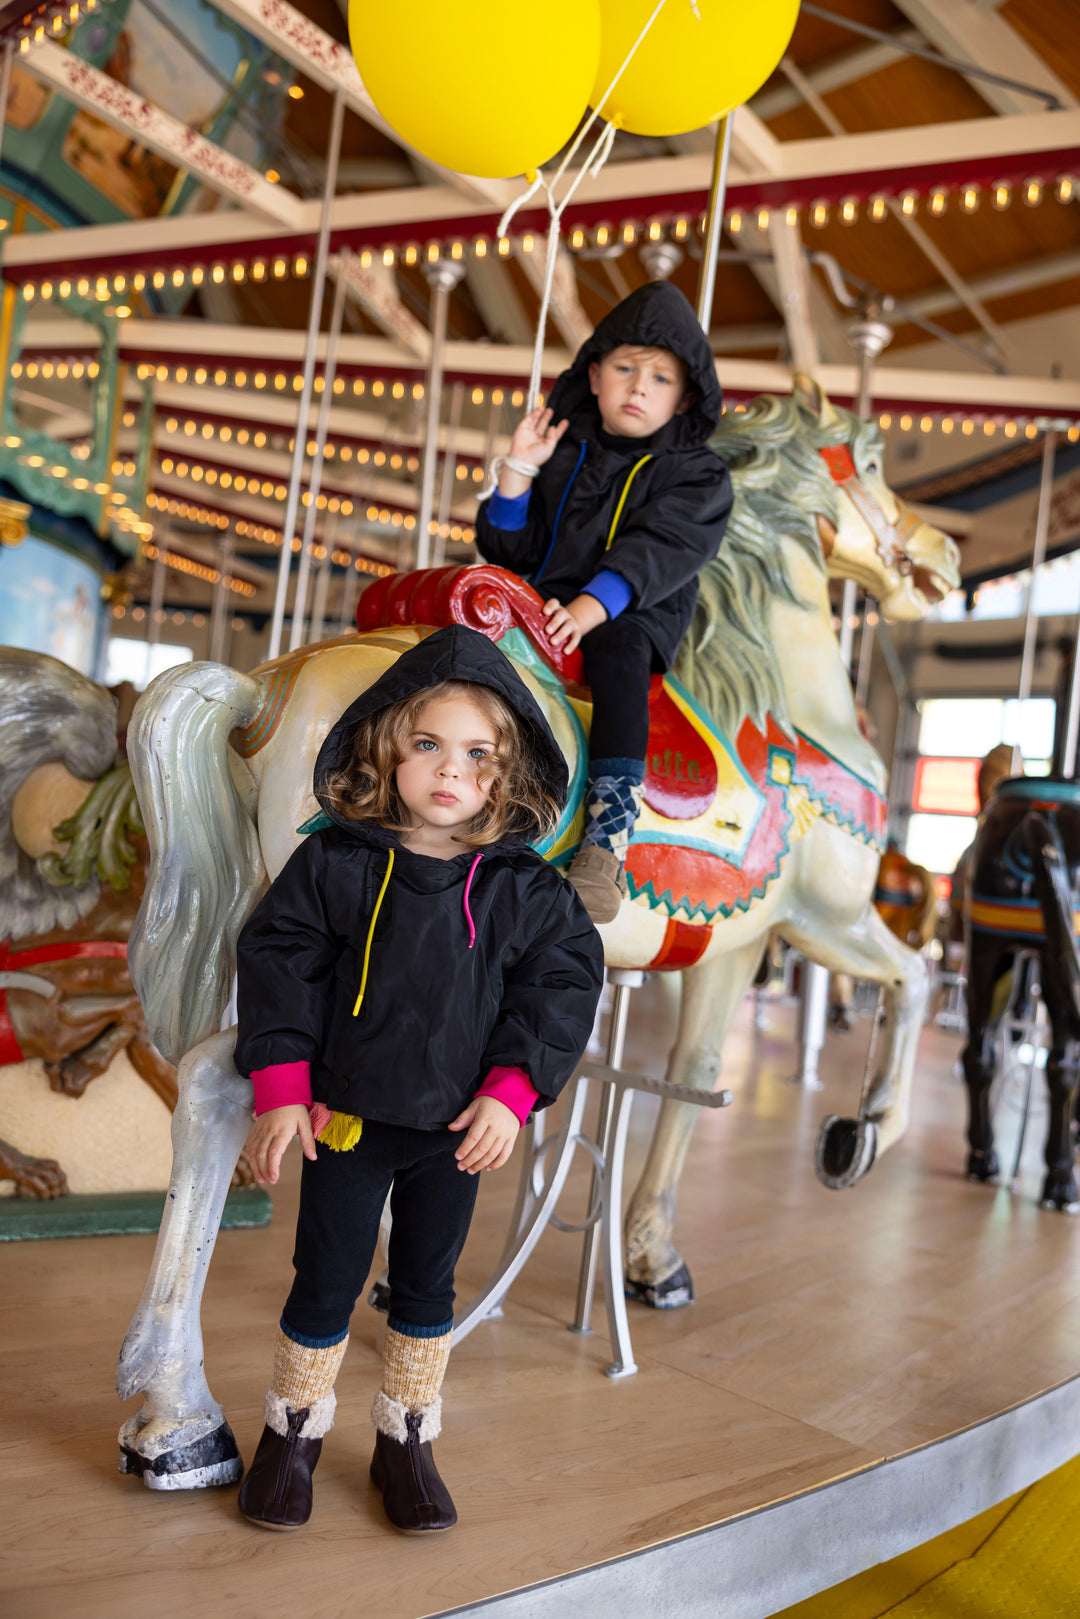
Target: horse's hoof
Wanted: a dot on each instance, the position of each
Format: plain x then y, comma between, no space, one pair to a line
673,1293
214,1459
983,1166
1060,1193
379,1298
844,1152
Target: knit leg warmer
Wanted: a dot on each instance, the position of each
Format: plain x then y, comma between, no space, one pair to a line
413,1372
303,1379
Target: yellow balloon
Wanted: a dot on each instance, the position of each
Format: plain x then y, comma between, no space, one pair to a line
481,86
699,59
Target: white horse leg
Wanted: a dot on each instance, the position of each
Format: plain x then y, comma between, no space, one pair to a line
712,991
179,1439
866,949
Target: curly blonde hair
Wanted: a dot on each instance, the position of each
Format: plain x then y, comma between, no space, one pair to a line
516,805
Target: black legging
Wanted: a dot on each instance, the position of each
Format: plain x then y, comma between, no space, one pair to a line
619,658
341,1201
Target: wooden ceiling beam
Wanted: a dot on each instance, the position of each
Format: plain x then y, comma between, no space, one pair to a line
158,131
331,65
804,168
971,33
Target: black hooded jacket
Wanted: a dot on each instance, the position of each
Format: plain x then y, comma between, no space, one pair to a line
438,1013
677,506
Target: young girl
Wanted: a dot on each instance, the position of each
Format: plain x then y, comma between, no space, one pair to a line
415,981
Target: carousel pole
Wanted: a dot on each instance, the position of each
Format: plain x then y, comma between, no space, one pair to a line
442,277
624,981
157,605
714,223
296,634
322,585
318,286
449,475
219,625
1038,555
868,336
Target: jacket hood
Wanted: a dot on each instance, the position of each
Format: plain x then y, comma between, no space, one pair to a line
454,653
655,316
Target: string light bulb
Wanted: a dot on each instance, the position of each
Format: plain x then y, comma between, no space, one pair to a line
1001,195
1033,192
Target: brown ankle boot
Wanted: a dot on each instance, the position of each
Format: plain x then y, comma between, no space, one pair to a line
415,1499
598,876
276,1492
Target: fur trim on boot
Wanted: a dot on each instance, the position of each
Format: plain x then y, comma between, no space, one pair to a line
388,1416
319,1420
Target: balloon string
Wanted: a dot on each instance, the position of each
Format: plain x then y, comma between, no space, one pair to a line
590,166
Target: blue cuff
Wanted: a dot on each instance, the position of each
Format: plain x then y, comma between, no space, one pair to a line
409,1329
508,511
611,591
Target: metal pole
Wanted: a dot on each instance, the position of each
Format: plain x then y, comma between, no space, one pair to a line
157,603
442,277
714,222
813,1013
449,474
625,981
866,655
350,592
322,584
1072,723
1038,553
220,612
318,286
296,636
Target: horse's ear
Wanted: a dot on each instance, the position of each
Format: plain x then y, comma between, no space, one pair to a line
811,400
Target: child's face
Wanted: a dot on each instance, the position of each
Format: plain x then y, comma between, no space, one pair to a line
638,390
442,779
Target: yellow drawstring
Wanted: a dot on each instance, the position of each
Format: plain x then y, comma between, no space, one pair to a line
622,499
371,933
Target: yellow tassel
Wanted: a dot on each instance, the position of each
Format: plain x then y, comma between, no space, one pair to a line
341,1133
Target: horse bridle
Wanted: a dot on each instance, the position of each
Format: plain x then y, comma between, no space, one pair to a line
890,537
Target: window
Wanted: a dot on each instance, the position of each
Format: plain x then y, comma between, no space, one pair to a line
955,733
139,662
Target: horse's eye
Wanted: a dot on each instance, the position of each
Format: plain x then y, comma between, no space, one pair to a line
872,466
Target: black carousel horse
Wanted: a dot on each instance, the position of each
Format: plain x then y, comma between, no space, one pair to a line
1024,876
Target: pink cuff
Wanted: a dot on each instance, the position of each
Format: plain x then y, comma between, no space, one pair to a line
283,1084
512,1087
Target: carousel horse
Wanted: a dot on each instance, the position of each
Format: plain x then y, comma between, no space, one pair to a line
906,901
1024,894
763,809
72,863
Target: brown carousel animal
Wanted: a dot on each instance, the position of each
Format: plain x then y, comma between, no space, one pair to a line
73,859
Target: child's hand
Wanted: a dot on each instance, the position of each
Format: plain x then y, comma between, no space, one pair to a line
535,438
493,1130
271,1134
566,625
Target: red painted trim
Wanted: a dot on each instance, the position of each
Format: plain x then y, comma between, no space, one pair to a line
10,1049
797,192
684,944
17,960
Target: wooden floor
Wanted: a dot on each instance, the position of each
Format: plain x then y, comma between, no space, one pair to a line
831,1330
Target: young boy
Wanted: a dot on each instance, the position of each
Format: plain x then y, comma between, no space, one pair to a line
611,514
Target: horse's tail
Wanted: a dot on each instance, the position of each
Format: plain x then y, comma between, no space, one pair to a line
205,868
1050,869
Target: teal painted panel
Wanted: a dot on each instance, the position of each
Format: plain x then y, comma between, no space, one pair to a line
114,1214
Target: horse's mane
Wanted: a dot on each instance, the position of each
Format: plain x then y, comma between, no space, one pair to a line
47,712
781,485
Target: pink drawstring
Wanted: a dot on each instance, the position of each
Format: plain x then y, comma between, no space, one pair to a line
465,901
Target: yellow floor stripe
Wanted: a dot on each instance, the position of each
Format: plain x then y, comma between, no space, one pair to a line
1017,1561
